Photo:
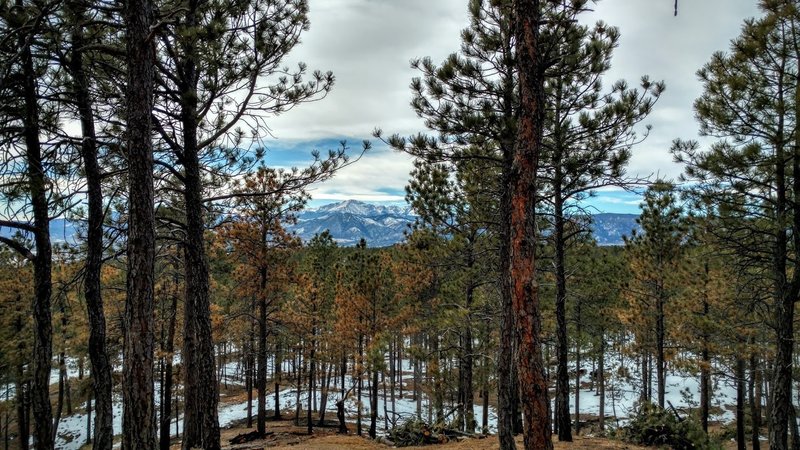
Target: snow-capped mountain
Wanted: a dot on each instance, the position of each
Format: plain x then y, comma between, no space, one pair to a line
381,226
351,220
359,208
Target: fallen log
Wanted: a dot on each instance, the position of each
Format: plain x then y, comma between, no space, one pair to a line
244,438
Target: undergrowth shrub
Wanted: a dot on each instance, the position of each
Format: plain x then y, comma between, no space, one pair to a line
651,425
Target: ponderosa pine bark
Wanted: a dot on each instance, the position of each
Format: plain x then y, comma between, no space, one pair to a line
42,317
201,422
277,378
562,416
139,417
22,395
601,380
98,353
741,443
522,255
506,394
705,369
754,387
42,260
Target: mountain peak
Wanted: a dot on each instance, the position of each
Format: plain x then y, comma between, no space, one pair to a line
384,225
351,220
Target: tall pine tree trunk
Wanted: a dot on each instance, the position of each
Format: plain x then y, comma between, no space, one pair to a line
312,372
755,401
660,342
468,393
261,374
705,368
42,261
98,353
139,417
360,373
201,423
525,296
277,378
166,387
250,375
741,443
577,374
506,392
327,375
373,404
783,310
601,380
562,416
21,403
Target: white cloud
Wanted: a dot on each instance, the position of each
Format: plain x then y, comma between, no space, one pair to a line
615,201
368,45
380,175
672,49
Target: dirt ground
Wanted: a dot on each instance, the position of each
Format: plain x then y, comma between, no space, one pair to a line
288,437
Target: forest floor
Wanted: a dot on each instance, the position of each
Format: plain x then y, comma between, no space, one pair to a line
286,436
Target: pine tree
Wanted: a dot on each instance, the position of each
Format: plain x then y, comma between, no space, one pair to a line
470,100
749,178
588,138
655,258
78,67
262,243
139,417
28,161
213,59
522,188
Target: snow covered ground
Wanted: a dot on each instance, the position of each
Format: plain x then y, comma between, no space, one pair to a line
621,395
682,390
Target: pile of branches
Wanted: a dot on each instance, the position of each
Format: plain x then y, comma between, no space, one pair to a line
415,431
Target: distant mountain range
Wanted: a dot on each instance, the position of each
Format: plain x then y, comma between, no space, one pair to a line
608,228
61,231
351,220
381,226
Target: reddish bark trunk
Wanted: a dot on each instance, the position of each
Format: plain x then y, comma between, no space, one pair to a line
524,288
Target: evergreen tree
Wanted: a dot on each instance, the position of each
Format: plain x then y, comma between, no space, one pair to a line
29,168
588,138
79,67
261,241
655,258
139,417
213,60
471,101
521,186
749,179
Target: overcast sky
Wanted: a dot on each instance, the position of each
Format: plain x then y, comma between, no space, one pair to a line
368,45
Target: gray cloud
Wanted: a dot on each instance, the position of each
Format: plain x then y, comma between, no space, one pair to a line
368,45
672,49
